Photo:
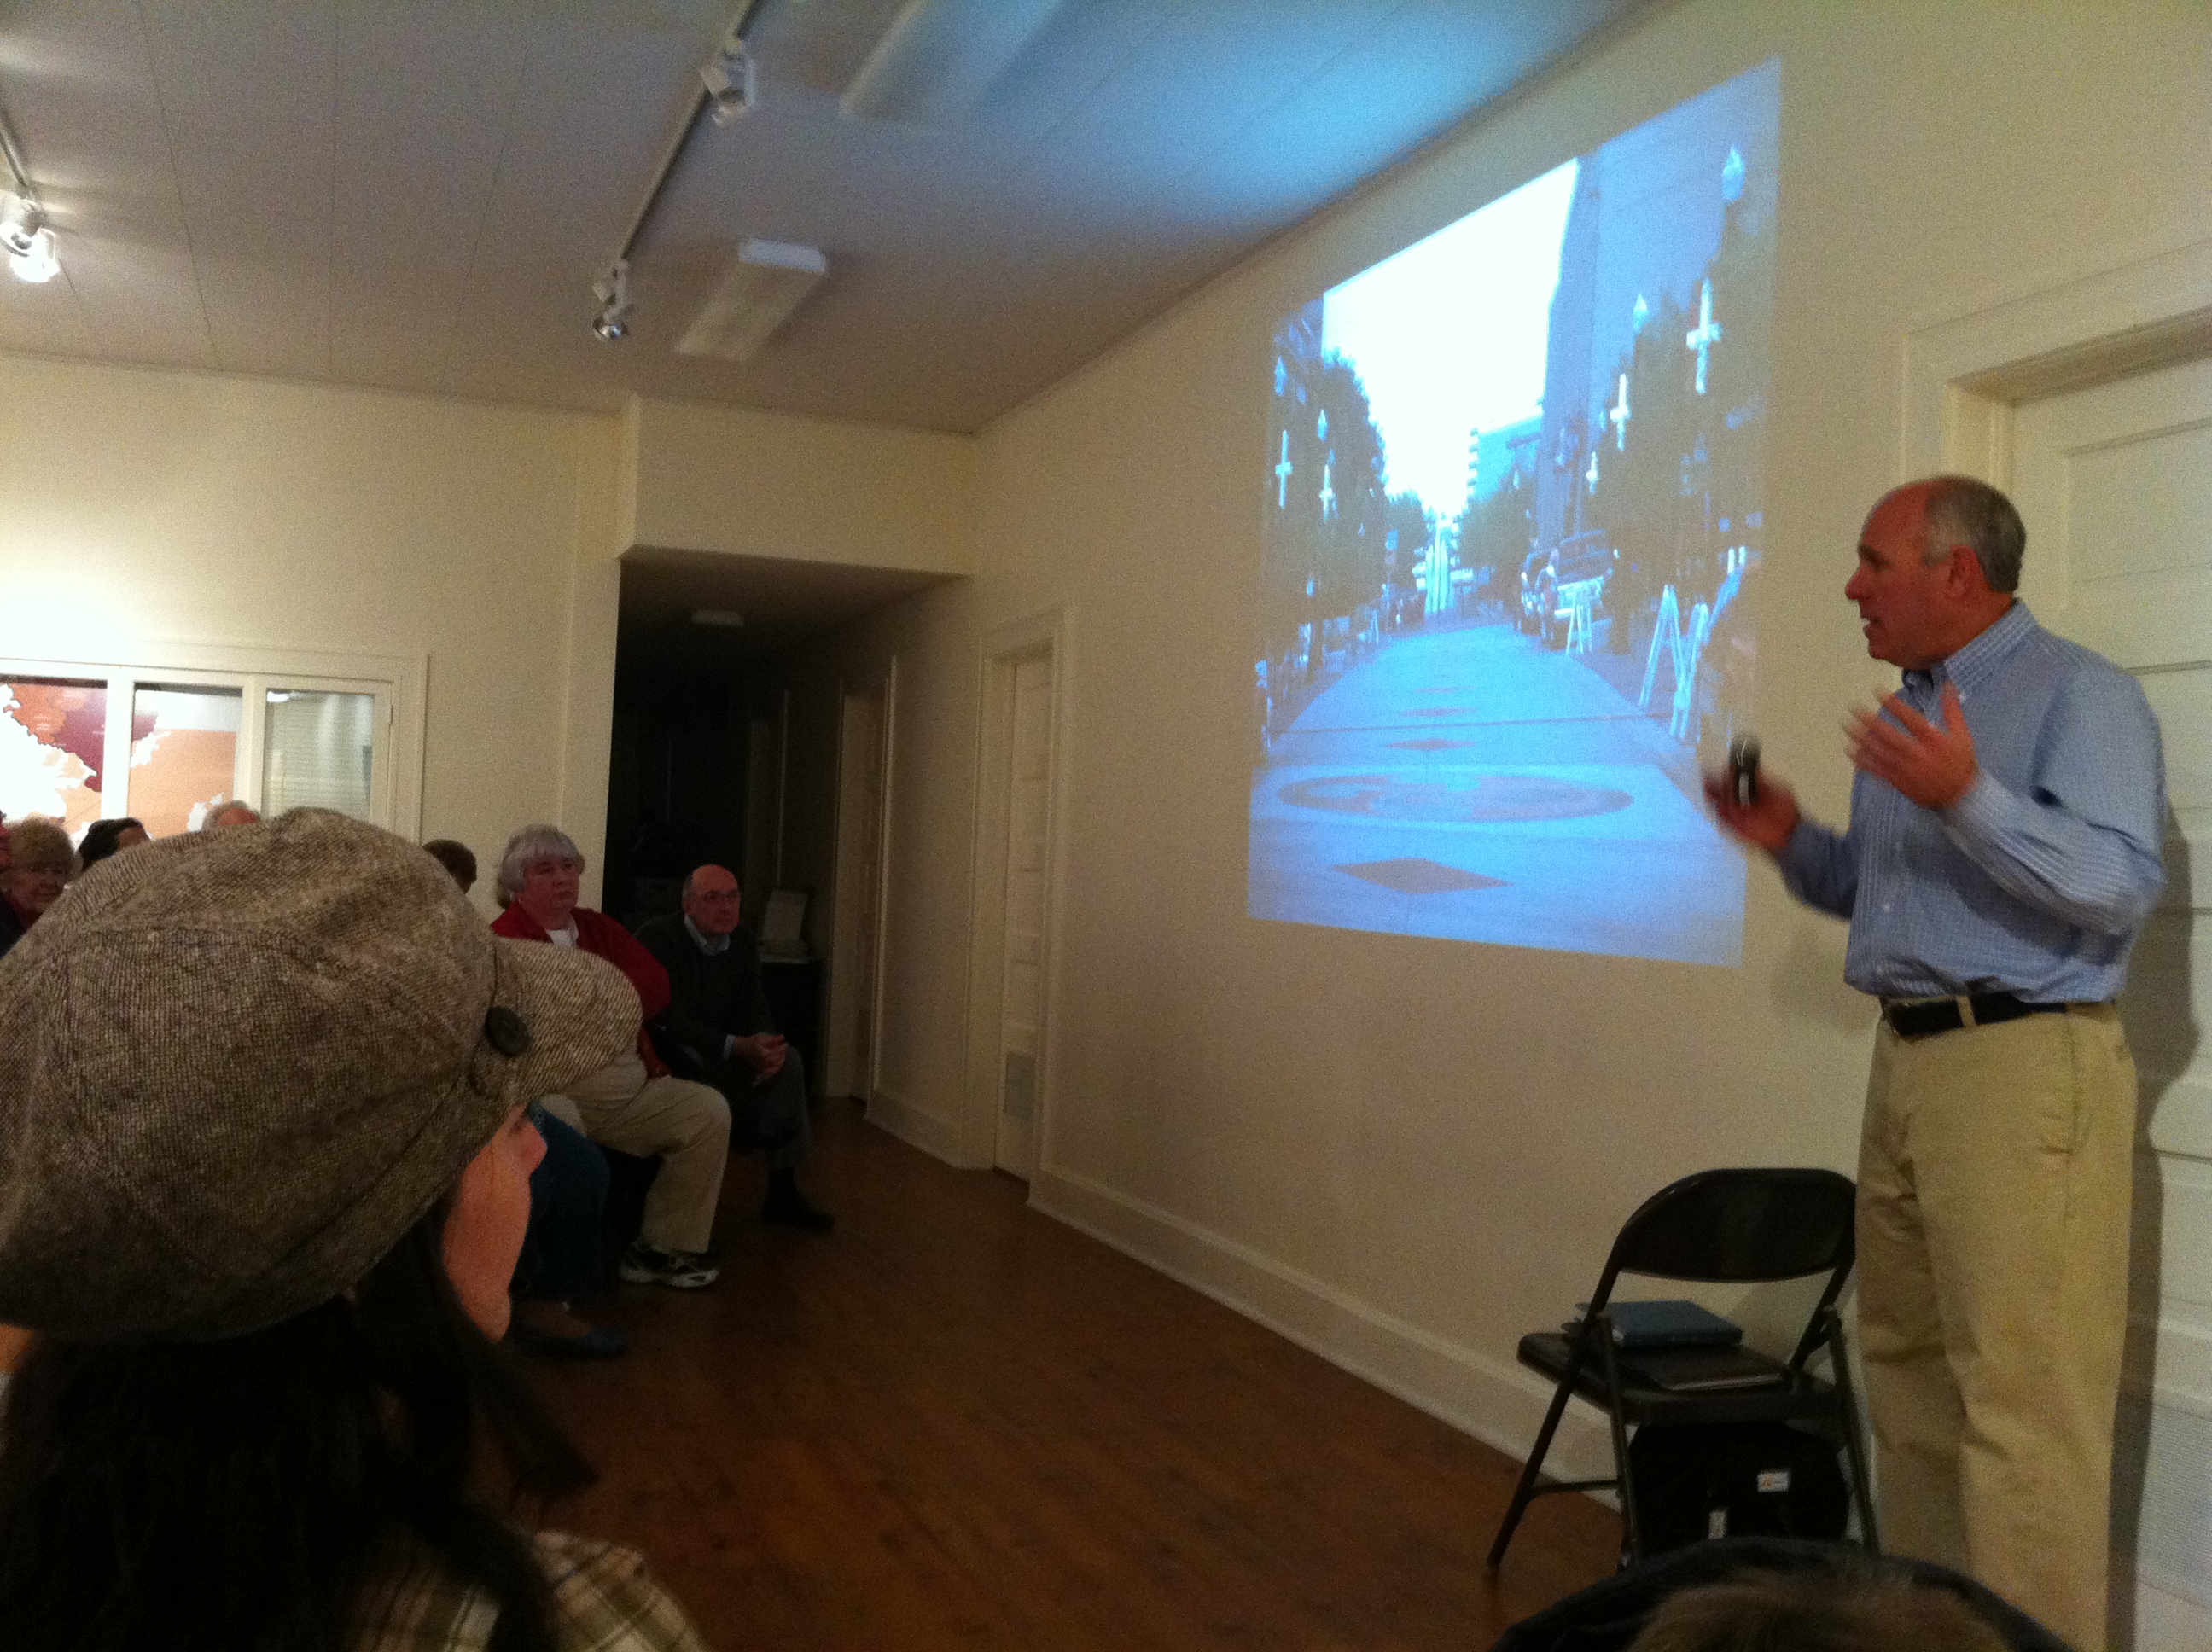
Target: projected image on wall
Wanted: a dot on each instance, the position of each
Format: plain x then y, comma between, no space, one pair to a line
1514,505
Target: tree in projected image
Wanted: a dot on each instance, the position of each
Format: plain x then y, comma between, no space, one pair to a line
1327,566
1680,481
1495,532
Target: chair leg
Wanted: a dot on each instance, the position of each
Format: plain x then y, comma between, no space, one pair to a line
1525,1492
1854,1445
1631,1530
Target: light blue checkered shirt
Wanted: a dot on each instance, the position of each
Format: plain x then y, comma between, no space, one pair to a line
2036,881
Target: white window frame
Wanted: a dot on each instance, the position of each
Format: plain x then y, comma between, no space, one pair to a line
396,681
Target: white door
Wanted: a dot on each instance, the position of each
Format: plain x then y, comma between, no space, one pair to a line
1028,856
856,924
2115,484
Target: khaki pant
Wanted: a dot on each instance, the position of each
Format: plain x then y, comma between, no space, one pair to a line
1994,1178
687,1124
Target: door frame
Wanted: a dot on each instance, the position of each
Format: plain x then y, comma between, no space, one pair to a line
856,962
1964,376
1046,632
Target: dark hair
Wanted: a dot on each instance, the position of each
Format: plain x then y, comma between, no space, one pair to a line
455,857
99,838
243,1495
1843,1608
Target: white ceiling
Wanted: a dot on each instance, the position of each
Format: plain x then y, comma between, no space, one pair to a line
418,194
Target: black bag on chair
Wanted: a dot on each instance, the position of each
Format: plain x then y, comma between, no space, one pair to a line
1752,1479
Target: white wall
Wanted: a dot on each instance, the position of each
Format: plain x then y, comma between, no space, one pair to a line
817,490
141,510
1409,1152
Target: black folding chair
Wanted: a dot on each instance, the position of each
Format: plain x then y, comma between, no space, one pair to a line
1732,1226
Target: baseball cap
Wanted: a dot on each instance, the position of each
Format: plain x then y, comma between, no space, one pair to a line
235,1068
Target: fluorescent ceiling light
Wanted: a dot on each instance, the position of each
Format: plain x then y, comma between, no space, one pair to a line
939,58
766,283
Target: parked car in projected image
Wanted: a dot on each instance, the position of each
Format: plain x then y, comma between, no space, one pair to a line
1581,558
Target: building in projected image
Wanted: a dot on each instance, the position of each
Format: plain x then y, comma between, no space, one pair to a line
1514,519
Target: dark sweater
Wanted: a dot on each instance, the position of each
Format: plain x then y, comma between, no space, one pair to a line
711,998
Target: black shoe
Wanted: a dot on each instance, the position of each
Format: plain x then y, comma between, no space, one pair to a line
601,1342
787,1207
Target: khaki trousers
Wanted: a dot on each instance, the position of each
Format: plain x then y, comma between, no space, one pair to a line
687,1124
1994,1178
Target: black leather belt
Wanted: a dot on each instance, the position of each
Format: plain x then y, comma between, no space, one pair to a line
1942,1015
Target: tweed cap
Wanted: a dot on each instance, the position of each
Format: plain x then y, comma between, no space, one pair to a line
235,1067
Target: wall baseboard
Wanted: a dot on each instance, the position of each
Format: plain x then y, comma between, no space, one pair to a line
939,1137
1500,1405
2166,1621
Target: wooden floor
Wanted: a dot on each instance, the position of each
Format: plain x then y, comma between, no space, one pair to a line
955,1423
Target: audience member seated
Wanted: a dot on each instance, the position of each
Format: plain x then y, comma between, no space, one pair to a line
263,1250
456,858
561,1259
634,1104
11,927
105,837
236,812
39,865
718,1029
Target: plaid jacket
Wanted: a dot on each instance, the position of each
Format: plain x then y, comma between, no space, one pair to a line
603,1598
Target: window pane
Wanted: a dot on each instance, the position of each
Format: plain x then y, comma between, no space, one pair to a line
317,751
184,754
53,741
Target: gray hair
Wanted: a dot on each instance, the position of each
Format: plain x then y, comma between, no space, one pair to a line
1963,510
40,843
539,842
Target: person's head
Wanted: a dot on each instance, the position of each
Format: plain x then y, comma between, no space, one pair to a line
40,864
1848,1607
456,858
712,899
268,1180
1938,562
236,812
105,837
542,871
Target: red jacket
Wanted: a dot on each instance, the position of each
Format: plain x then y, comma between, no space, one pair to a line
602,937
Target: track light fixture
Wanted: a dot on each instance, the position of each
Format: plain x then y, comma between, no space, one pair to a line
24,236
26,241
729,87
612,322
733,83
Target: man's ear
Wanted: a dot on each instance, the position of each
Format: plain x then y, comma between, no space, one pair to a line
1963,578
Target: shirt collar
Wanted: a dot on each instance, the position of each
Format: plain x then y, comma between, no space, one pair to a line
1971,664
712,945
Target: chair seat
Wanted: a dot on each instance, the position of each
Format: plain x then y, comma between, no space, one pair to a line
1797,1396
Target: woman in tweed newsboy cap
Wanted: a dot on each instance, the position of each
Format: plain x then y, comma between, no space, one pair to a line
264,1176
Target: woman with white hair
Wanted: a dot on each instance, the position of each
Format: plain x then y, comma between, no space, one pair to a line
635,1104
36,864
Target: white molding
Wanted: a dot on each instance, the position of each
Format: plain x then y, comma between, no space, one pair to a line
1049,631
938,1137
1960,372
405,677
1499,1404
